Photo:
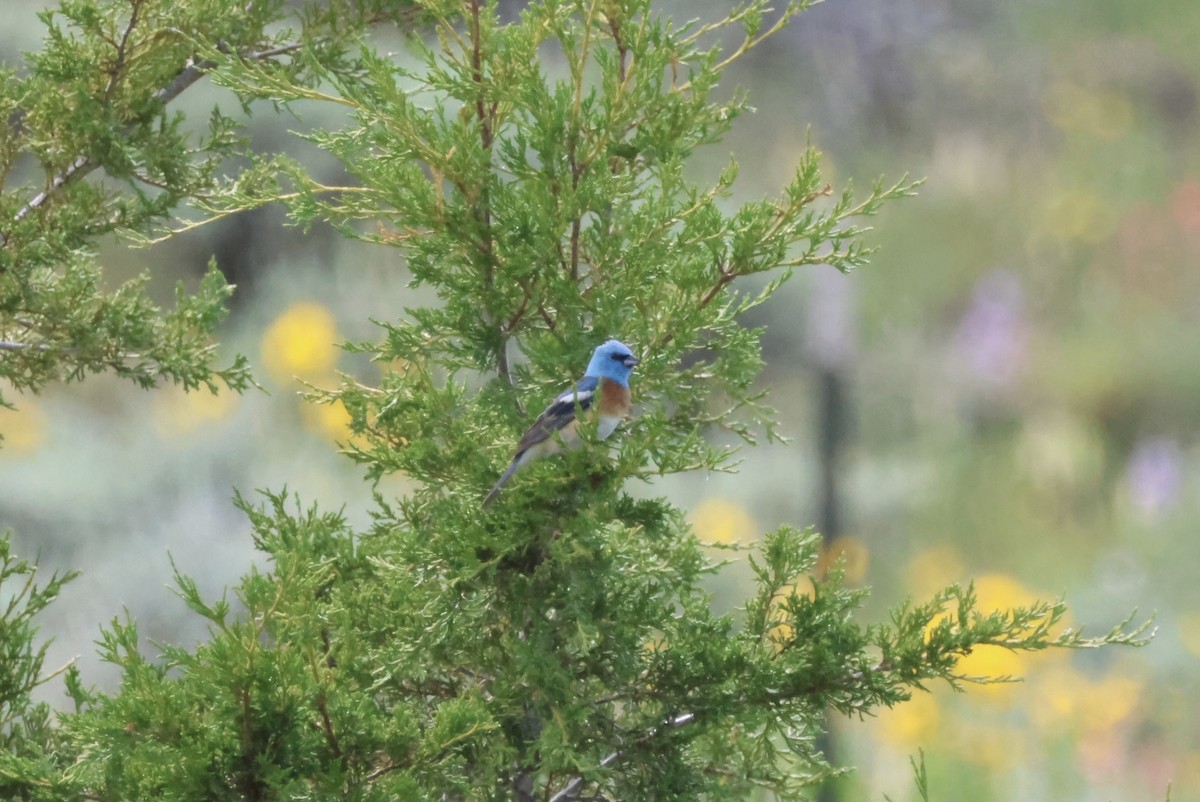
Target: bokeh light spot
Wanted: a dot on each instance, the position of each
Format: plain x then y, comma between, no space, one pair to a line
1102,114
719,520
993,663
23,429
912,723
300,343
327,420
1079,216
1185,204
853,555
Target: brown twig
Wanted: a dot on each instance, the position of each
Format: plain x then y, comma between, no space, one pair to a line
327,726
726,275
483,212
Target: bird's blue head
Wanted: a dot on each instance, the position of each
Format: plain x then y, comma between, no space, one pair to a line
614,361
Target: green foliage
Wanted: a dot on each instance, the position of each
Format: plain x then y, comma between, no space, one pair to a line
558,646
95,99
27,733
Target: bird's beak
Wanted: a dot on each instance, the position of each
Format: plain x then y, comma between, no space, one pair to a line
630,361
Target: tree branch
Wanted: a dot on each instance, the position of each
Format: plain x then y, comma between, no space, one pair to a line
192,72
572,789
6,345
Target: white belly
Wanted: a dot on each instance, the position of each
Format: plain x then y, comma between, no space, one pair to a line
607,425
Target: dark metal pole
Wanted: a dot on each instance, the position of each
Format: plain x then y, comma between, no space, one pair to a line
831,345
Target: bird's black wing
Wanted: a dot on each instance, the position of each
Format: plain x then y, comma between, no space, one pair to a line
560,413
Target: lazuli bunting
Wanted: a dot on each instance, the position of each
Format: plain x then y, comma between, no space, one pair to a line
603,391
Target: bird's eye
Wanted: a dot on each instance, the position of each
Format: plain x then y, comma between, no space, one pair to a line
620,357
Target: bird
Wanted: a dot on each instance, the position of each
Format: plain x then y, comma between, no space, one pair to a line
603,391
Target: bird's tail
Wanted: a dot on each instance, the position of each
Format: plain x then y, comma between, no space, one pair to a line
504,477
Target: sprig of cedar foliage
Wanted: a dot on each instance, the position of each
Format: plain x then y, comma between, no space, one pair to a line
96,100
559,646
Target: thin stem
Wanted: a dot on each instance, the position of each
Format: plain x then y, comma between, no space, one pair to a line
749,43
483,211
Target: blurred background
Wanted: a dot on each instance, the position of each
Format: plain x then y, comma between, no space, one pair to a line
1009,393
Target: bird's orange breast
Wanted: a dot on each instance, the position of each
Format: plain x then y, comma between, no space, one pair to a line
615,400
